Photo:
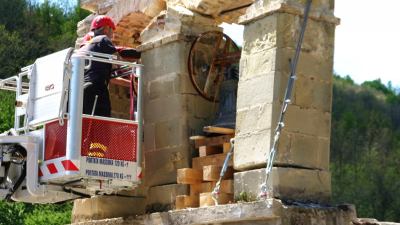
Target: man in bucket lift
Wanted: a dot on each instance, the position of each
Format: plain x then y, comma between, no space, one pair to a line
98,74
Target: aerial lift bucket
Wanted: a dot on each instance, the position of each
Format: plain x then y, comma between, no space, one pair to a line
55,153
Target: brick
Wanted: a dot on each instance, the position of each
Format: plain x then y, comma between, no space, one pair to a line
161,165
287,183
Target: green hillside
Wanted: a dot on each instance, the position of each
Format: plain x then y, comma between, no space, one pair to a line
365,148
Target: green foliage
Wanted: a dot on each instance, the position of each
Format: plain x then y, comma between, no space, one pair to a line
365,148
49,215
7,100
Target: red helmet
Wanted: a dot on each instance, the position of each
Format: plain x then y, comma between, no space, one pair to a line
101,21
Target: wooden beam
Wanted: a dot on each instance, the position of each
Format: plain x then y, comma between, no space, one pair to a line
212,173
218,130
218,160
186,201
189,176
209,150
226,147
206,199
212,141
196,189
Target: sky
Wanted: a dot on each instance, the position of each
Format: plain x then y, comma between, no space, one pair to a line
367,41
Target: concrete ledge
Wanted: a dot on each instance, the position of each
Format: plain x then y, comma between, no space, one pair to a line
269,212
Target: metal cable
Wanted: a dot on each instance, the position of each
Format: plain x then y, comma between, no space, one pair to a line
215,192
265,191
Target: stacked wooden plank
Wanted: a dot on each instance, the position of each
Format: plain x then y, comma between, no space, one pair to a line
205,172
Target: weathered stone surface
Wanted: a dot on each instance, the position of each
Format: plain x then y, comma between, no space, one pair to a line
269,43
177,20
214,7
165,61
101,207
303,150
294,149
308,121
286,183
270,212
256,91
321,10
161,165
162,198
99,6
173,111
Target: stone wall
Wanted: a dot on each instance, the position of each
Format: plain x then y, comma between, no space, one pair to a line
173,109
270,36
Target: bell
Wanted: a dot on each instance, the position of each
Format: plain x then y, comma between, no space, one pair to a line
226,116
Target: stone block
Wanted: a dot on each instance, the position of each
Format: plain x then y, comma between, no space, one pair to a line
183,85
165,60
149,137
251,149
258,90
102,207
313,93
288,30
162,87
199,107
162,198
286,183
318,67
161,165
308,121
301,150
253,119
294,149
170,133
164,109
259,63
260,35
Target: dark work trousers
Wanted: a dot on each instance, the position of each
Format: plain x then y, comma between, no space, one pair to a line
103,104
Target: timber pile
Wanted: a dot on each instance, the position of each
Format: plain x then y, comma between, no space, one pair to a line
205,171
